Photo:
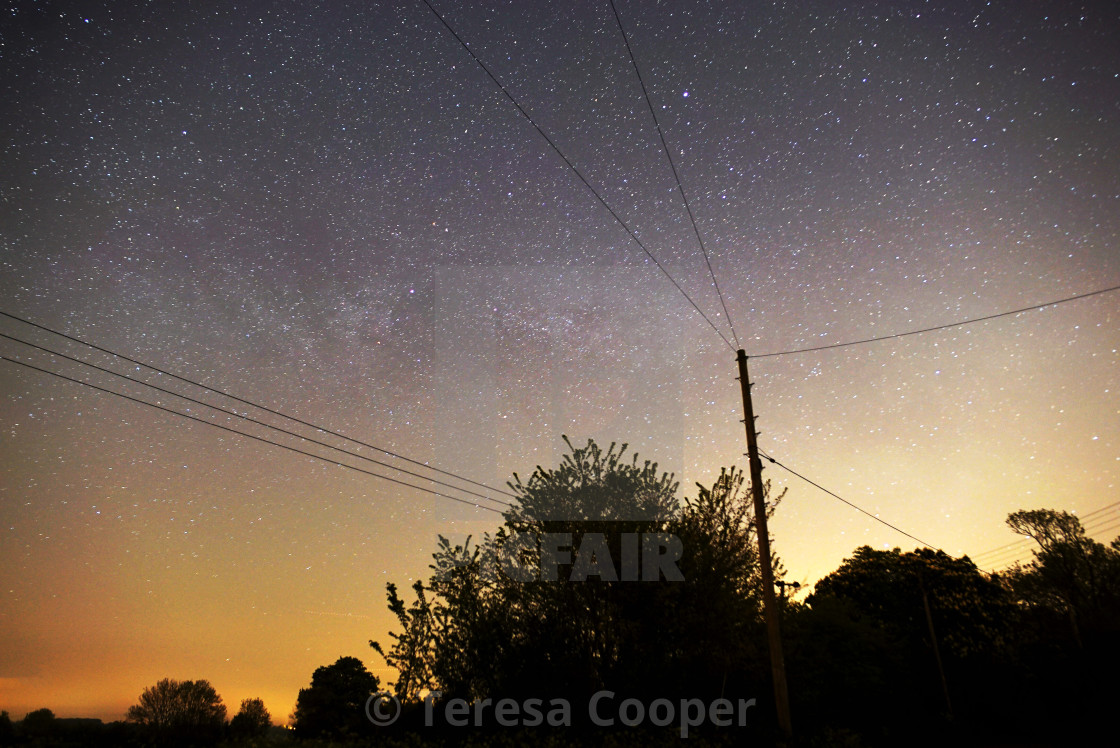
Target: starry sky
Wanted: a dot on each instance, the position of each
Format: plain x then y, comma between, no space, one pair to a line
330,209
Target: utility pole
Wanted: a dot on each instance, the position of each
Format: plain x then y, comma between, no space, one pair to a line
770,606
936,650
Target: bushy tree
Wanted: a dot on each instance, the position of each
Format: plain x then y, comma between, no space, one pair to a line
1069,597
38,724
718,607
335,702
882,598
251,721
969,608
591,486
1072,576
183,710
483,628
413,655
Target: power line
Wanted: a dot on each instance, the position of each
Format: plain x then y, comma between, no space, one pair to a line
692,218
1104,508
853,506
1087,519
577,172
938,327
676,175
1105,528
250,403
1009,557
258,423
1017,546
1026,546
1010,552
1005,559
250,436
1102,524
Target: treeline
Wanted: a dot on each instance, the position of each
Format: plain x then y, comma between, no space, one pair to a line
170,713
892,648
604,612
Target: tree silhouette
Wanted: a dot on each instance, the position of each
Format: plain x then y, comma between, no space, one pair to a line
925,666
969,607
592,486
413,655
498,619
335,702
718,607
38,724
1071,574
181,710
251,721
1070,634
479,629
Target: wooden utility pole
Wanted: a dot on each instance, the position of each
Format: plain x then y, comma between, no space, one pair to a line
936,650
770,605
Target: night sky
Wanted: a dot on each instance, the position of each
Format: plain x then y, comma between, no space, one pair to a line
331,209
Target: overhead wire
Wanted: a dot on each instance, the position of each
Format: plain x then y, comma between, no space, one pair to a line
1015,546
849,503
918,332
617,218
1085,520
254,421
1115,524
248,435
250,403
1024,546
1005,559
937,327
1099,524
707,259
1091,523
1020,548
673,166
577,172
1023,554
625,226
